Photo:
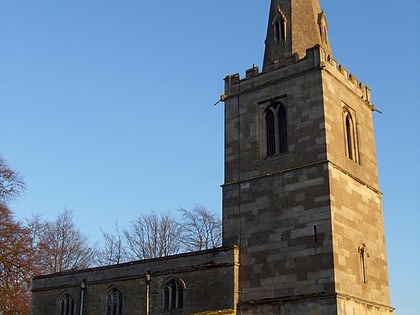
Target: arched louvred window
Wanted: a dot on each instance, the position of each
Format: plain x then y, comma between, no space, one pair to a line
282,122
173,295
350,137
276,129
280,25
270,131
283,29
114,304
66,305
280,29
277,30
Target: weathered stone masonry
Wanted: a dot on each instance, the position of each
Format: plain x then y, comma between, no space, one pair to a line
303,228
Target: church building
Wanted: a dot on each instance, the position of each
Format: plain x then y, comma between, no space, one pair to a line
303,229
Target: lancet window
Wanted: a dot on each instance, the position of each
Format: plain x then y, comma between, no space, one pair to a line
350,136
280,25
363,255
114,304
173,295
66,305
276,129
280,30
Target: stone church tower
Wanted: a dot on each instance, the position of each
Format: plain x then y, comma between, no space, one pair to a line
301,195
303,227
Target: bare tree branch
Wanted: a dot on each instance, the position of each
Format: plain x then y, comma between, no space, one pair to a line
114,250
16,265
11,183
202,229
153,235
62,246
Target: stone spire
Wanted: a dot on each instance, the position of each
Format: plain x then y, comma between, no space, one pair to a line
293,27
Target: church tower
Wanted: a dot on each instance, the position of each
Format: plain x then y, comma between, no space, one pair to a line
301,196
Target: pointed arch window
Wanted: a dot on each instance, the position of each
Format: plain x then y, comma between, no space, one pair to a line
363,255
271,132
276,129
280,29
282,133
173,295
66,305
114,304
323,27
350,136
280,25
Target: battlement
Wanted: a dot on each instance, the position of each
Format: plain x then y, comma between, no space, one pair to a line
316,58
341,72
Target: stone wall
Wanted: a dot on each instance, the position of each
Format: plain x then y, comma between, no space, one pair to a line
302,216
210,280
277,208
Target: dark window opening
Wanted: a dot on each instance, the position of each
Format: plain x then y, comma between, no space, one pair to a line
282,129
114,302
283,30
349,136
271,133
280,30
363,263
277,31
276,129
173,295
67,305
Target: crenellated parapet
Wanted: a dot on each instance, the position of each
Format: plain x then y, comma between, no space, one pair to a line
340,72
317,58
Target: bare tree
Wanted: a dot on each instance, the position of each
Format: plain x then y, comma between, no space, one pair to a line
62,246
16,261
16,265
114,250
202,229
11,183
153,235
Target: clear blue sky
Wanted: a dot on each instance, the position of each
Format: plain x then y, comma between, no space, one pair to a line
106,107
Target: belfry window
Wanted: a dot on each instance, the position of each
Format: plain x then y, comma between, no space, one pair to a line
66,305
271,132
114,304
276,129
173,295
280,29
282,122
350,137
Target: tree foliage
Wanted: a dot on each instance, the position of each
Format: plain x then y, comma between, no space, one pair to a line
114,250
201,229
62,246
16,265
157,235
11,183
153,235
16,259
44,247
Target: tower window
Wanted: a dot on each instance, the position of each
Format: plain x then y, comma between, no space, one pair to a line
280,30
114,302
282,133
66,305
350,137
277,30
271,132
283,29
276,129
173,295
363,255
